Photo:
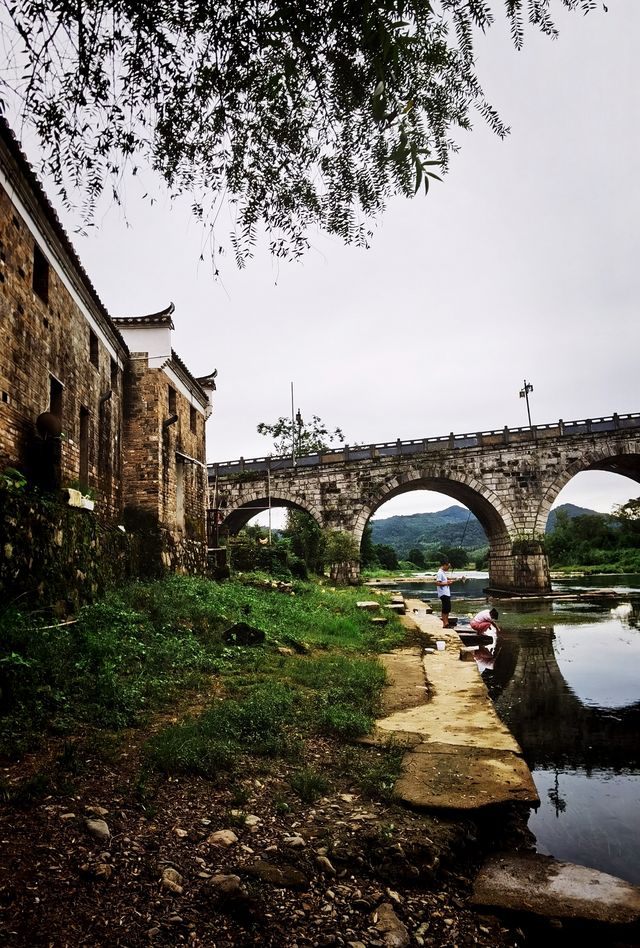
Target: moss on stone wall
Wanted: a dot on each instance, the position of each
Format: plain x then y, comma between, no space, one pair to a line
57,555
61,557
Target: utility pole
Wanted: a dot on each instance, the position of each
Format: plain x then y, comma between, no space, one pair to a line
299,423
293,431
269,495
524,393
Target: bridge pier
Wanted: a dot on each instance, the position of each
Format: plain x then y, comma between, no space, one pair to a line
520,571
346,573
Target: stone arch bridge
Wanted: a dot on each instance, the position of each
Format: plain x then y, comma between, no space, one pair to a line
508,478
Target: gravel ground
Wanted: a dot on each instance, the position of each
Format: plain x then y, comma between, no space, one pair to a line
110,856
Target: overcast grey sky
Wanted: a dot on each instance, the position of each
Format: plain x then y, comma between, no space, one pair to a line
522,264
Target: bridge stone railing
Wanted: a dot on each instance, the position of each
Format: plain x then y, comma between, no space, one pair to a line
480,439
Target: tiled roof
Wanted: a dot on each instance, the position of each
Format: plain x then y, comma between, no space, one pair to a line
13,146
208,381
190,379
163,318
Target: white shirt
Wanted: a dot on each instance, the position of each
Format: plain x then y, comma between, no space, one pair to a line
484,616
443,578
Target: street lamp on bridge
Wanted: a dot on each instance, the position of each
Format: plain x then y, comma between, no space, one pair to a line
524,393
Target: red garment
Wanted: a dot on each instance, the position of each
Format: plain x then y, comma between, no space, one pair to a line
482,626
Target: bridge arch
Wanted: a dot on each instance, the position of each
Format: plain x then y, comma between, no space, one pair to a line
253,502
495,518
624,460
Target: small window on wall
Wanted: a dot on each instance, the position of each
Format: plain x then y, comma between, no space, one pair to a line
84,447
114,375
55,396
172,400
93,349
193,420
40,274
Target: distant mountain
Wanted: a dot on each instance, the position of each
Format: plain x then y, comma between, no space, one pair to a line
455,526
572,511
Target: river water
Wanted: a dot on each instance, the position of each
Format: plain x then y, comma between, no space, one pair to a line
563,675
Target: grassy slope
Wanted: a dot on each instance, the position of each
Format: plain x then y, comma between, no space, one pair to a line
144,645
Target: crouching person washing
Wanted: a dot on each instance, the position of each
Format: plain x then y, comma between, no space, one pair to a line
485,620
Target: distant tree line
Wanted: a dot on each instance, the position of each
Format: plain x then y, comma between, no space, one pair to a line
610,541
385,556
593,540
597,541
300,549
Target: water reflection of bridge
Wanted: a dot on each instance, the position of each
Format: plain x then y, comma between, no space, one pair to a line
552,725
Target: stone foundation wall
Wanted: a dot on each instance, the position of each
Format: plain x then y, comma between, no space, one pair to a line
57,556
60,557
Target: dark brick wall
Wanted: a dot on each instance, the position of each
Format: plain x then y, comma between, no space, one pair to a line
44,338
112,408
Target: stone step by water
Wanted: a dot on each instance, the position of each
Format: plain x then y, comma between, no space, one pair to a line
544,886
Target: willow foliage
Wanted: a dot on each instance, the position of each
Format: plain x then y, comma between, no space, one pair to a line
300,114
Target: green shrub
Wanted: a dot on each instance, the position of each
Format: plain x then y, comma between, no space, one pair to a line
308,784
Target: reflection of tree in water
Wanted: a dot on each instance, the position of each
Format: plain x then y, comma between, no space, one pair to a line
633,617
559,803
549,721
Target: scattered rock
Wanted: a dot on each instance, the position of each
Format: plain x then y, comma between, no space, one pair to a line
172,880
294,842
97,810
300,647
325,865
228,885
98,829
222,839
285,877
242,817
394,933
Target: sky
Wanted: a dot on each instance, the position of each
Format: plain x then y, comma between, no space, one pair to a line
522,264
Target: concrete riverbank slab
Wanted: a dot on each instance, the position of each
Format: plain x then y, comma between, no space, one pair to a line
406,686
459,753
463,778
542,886
451,704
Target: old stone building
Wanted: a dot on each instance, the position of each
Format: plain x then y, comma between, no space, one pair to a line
164,459
101,407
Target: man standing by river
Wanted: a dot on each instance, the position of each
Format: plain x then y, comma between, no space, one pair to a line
444,592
